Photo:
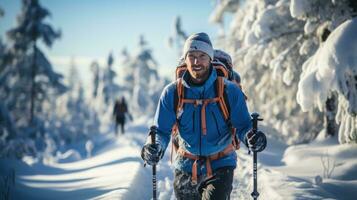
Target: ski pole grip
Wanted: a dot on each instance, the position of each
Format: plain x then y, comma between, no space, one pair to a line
153,131
255,119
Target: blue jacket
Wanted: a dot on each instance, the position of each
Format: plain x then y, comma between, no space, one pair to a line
218,135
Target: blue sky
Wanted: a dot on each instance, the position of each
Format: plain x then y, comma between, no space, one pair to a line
93,28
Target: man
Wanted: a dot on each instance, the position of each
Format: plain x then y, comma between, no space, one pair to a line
119,112
204,165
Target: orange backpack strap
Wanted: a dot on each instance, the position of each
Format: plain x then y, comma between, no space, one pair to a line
180,94
180,70
220,94
222,71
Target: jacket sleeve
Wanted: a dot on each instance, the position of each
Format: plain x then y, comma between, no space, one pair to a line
165,116
240,117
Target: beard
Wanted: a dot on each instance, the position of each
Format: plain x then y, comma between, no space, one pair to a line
199,72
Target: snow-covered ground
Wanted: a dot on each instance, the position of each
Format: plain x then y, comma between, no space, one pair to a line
115,171
291,172
307,49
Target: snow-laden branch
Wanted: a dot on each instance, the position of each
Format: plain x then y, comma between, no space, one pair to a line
333,68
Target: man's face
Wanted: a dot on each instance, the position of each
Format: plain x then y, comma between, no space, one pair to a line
198,64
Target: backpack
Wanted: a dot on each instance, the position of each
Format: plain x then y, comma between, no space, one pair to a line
225,59
122,107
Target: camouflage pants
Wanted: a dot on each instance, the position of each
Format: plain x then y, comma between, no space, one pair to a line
218,187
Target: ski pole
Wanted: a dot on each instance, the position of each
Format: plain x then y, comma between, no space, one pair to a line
153,130
255,193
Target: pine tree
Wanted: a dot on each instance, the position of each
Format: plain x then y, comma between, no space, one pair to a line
73,75
178,37
35,78
28,82
2,12
146,79
7,126
110,88
96,77
127,72
73,119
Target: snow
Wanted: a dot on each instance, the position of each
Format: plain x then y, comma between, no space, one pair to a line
265,41
289,172
329,63
299,8
73,152
115,171
310,26
304,162
333,68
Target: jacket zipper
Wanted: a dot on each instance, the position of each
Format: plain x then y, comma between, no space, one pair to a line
201,96
200,135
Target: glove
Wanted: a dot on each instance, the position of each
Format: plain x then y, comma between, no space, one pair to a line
151,153
256,142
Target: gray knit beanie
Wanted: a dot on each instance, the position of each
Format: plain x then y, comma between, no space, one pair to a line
198,42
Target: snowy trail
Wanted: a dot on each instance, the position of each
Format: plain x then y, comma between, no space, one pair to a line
275,179
115,171
288,172
243,179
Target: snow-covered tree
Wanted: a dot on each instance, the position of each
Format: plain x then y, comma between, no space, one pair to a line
147,82
332,70
320,19
127,72
73,119
7,126
263,39
28,80
33,72
73,76
109,86
96,77
222,7
270,41
78,115
178,37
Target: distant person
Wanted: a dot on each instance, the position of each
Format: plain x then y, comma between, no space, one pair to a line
119,113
